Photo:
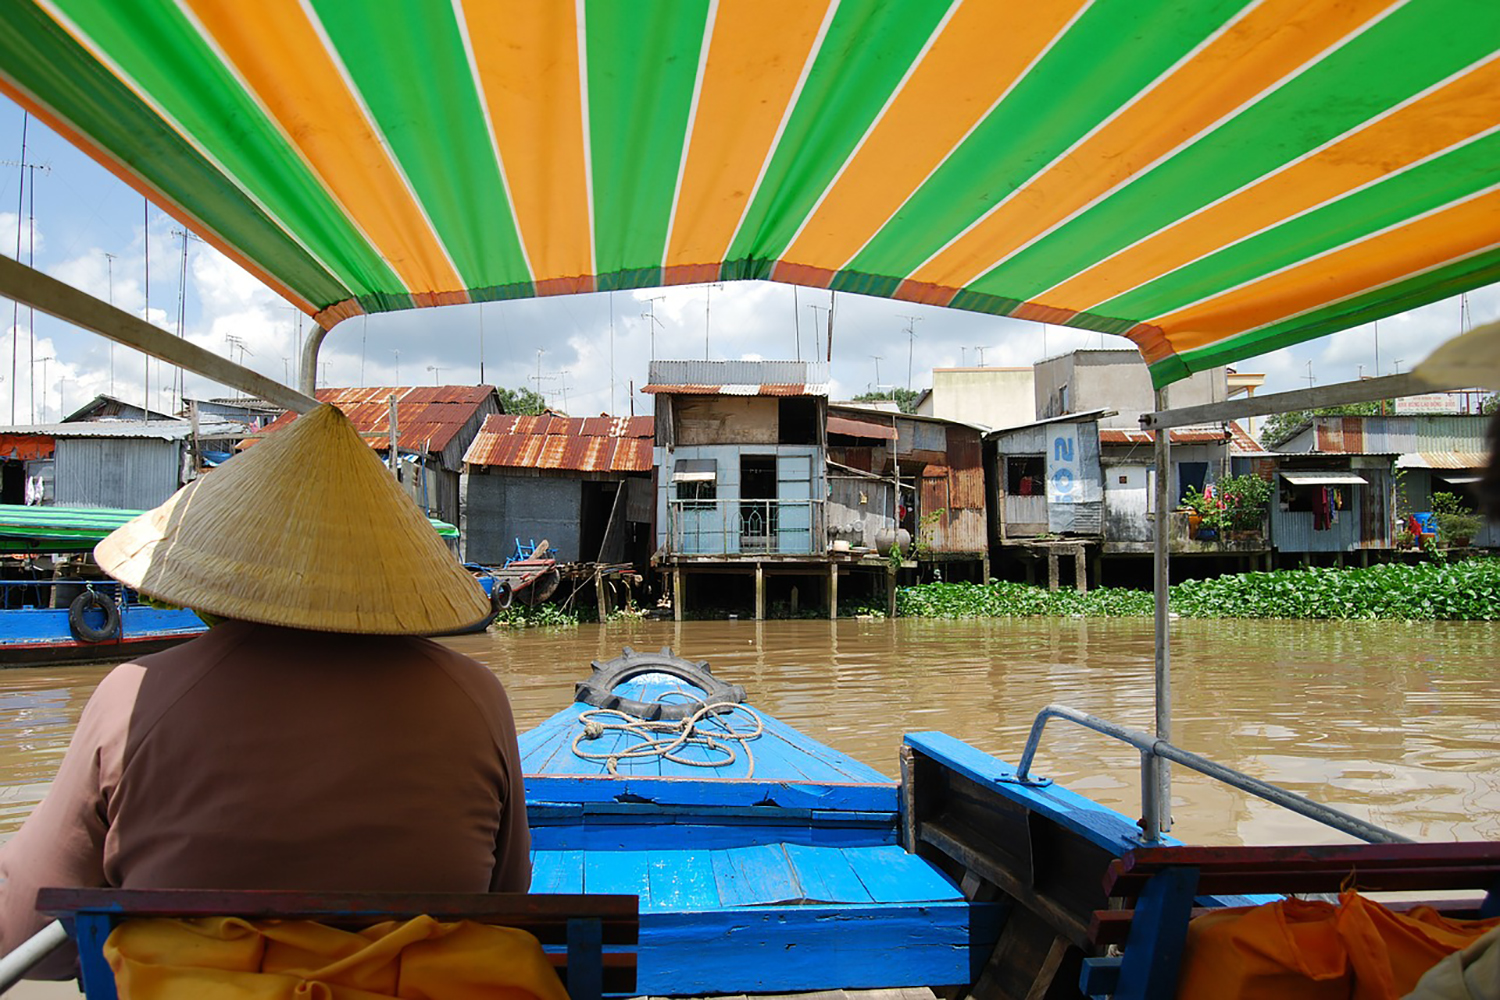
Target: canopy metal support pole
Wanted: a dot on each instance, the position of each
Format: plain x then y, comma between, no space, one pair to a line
309,380
40,291
1156,777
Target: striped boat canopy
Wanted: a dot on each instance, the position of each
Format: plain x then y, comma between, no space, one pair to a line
79,529
1211,178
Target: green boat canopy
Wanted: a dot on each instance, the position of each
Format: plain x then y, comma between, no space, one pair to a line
1210,178
79,529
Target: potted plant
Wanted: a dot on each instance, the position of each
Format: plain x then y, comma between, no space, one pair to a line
1456,521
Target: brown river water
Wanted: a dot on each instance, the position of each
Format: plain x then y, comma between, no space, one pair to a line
1396,723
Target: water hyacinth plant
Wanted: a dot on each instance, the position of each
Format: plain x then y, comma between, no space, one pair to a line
1428,591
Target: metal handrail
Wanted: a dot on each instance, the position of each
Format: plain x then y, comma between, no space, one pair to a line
1151,747
14,966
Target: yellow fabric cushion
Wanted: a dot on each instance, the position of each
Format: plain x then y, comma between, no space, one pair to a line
226,958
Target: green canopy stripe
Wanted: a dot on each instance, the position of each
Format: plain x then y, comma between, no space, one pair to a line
1345,88
40,58
1082,80
849,85
1400,198
478,234
637,119
193,91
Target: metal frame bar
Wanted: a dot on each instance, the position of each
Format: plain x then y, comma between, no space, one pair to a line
55,298
1362,391
1151,746
14,966
1156,776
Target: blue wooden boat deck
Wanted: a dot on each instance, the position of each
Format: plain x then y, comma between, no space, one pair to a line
783,878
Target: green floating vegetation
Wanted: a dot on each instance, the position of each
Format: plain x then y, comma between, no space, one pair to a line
1429,591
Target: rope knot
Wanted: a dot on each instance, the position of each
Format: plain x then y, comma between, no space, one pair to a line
592,729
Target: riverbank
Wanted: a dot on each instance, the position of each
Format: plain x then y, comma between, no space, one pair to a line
1433,591
1468,590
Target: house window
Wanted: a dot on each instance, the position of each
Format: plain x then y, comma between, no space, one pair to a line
1025,476
697,482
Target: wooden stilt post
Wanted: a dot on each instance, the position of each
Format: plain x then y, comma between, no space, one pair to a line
601,594
679,586
890,592
1080,570
760,592
1051,569
833,590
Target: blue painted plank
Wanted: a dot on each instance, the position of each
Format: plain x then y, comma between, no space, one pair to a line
617,872
755,876
682,881
825,875
1099,824
701,836
557,872
846,767
803,948
893,876
1153,952
679,791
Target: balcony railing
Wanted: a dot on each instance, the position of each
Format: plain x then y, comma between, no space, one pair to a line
745,527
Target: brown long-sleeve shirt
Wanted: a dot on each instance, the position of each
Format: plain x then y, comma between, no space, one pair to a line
257,757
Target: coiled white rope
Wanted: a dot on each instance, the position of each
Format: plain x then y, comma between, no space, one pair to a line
664,738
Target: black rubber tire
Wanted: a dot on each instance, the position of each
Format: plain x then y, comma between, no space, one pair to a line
79,626
598,690
500,595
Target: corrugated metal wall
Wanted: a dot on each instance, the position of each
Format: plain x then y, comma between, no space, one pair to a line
500,509
130,473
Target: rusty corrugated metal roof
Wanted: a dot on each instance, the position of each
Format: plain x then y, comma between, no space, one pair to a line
1186,435
1465,460
861,428
427,416
775,389
576,444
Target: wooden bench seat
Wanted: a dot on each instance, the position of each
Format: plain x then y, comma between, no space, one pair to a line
584,924
1163,883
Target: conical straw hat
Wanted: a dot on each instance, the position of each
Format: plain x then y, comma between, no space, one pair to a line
306,529
1470,359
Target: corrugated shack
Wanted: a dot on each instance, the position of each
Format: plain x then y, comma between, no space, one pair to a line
130,464
582,483
1346,481
940,466
434,426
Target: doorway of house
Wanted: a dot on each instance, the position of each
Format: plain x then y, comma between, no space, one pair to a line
757,503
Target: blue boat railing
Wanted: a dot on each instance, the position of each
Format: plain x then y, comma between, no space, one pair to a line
1151,747
14,596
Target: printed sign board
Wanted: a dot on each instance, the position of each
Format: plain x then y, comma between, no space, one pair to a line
1064,465
1430,402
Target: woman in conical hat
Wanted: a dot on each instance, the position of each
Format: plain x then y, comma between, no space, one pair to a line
311,740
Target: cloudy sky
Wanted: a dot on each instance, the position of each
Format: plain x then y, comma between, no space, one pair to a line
79,224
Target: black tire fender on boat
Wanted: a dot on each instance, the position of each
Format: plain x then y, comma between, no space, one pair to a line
598,690
500,595
79,626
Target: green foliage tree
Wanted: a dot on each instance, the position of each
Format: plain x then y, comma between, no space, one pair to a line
905,399
521,401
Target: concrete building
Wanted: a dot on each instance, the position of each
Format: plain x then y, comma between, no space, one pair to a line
1119,381
991,398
